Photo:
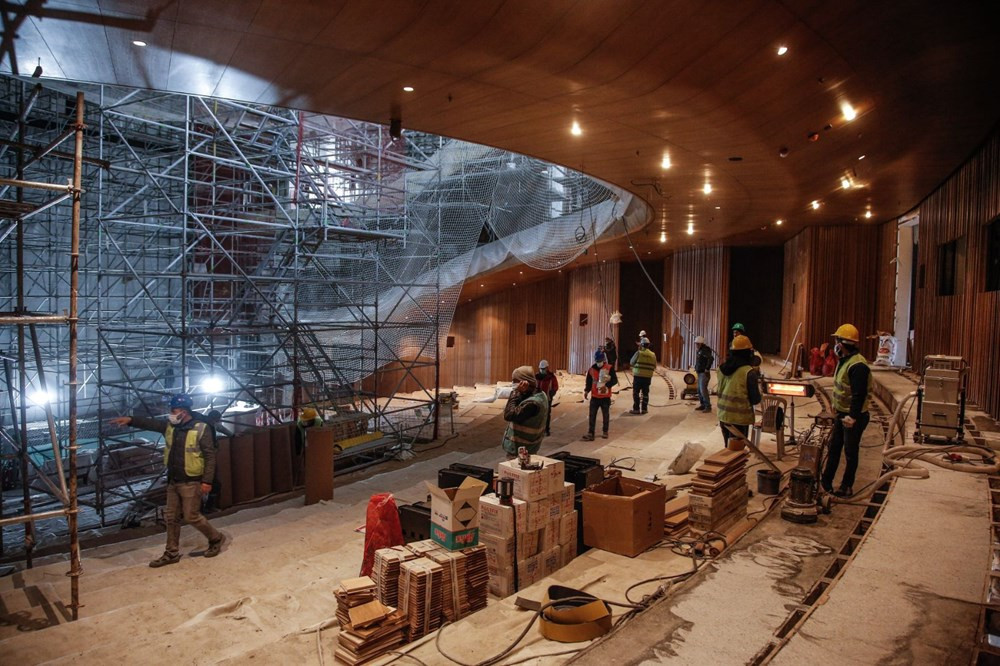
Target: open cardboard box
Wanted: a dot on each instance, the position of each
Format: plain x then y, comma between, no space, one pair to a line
623,515
455,514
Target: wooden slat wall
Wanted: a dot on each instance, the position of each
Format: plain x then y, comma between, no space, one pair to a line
796,291
592,291
966,324
885,312
702,276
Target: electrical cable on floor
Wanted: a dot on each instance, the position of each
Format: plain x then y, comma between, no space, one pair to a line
616,463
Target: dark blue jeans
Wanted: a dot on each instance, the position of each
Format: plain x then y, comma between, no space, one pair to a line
703,394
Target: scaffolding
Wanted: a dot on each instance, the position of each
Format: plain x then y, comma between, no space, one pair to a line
261,259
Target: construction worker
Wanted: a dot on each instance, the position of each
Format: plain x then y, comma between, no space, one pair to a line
643,366
189,456
738,388
526,413
308,418
703,368
739,329
547,384
852,388
611,352
600,378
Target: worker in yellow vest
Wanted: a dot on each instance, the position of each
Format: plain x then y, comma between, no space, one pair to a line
738,388
526,413
852,389
189,456
643,366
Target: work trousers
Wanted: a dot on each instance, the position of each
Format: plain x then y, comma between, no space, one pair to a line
848,440
703,394
603,404
548,417
745,429
640,393
184,499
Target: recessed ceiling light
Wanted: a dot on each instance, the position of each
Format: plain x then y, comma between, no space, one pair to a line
815,204
718,208
845,183
663,237
690,228
407,88
575,129
868,214
848,111
482,285
707,189
778,222
861,158
138,42
782,50
665,164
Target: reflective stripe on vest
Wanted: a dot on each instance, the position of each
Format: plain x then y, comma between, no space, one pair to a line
194,460
645,363
595,376
530,433
734,400
842,385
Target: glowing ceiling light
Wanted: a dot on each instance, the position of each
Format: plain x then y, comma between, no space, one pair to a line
778,222
575,129
138,42
213,384
41,398
845,183
782,50
407,88
665,164
663,236
690,228
868,214
814,204
708,188
848,111
861,158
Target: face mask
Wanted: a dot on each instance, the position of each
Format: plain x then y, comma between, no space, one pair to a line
175,419
838,349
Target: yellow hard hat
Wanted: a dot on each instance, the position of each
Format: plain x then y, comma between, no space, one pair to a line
848,332
308,414
741,342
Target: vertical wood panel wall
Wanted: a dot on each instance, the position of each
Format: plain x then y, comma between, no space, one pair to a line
701,276
968,323
594,291
885,313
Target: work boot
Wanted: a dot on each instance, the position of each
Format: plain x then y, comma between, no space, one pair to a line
643,411
634,411
844,491
165,559
707,410
604,435
215,546
589,437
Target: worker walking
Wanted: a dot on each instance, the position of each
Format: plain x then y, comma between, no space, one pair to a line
547,384
738,388
601,377
189,456
308,418
526,413
643,366
611,352
703,368
852,388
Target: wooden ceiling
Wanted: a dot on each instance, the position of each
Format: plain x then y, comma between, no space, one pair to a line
701,82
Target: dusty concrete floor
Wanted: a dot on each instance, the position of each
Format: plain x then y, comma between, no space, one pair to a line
264,597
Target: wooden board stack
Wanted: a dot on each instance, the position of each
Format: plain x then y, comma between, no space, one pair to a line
368,628
385,572
718,497
421,593
675,515
351,593
466,580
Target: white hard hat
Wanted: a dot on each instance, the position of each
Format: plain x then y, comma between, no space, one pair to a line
543,364
642,334
700,340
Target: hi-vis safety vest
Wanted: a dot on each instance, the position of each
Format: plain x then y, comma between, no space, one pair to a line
596,390
194,461
645,363
842,385
530,433
734,400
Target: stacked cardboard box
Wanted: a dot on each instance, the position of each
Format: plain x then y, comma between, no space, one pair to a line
533,536
718,498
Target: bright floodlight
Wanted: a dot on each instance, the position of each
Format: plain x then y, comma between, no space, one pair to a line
213,384
41,398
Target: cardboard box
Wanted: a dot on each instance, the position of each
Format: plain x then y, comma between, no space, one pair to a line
455,514
500,520
567,553
529,571
567,528
533,484
550,535
551,561
502,583
566,496
538,513
623,515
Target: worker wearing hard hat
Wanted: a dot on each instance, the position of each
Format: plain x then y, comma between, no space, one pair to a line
547,384
643,365
738,388
600,378
739,329
526,413
189,456
852,388
703,368
308,418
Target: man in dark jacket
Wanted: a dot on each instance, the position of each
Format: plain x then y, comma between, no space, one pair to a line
189,455
526,412
852,389
600,378
738,389
611,352
547,384
703,368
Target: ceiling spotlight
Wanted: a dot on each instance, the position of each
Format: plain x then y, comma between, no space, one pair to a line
845,183
848,111
778,222
138,42
868,214
690,228
782,50
665,164
663,236
814,204
213,384
861,158
707,189
783,151
575,129
407,88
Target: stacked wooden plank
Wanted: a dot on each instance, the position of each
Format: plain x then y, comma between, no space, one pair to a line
466,580
352,593
718,497
385,572
368,628
675,515
421,595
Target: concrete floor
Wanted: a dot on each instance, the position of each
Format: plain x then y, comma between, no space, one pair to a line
922,564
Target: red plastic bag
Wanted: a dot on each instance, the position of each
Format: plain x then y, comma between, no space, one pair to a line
382,529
